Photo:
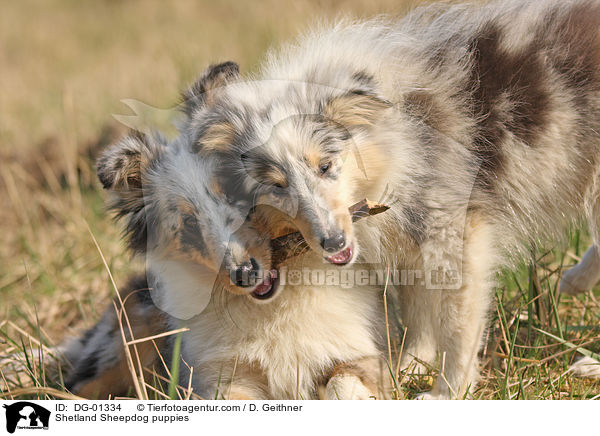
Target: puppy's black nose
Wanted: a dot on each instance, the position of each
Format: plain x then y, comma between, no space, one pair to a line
246,274
335,243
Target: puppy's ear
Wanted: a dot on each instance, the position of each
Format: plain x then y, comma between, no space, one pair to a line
202,92
356,108
215,138
121,170
121,166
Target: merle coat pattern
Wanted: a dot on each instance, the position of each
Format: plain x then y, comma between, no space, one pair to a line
479,124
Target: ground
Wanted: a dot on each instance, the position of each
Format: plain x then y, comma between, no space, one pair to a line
66,67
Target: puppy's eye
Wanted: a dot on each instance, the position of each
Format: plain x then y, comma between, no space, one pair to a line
324,167
278,189
190,221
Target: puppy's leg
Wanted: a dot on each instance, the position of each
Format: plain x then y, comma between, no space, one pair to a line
247,382
418,309
463,315
586,273
364,379
463,324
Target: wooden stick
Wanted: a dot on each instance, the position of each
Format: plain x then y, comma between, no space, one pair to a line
293,244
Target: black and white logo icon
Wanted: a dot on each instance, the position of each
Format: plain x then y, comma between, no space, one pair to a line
26,415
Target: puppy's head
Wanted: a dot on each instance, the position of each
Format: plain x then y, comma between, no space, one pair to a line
177,214
290,148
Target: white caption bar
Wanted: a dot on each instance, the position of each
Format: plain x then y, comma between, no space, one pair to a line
277,417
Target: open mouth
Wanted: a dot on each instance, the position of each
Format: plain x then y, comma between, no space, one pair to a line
342,257
268,287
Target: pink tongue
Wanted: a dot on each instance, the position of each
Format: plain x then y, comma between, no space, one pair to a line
265,286
342,256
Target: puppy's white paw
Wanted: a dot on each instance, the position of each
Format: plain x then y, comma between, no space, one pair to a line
586,367
430,396
574,282
414,367
584,275
347,387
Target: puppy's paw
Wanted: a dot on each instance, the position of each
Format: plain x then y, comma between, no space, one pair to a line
431,396
584,275
586,367
573,282
415,366
347,387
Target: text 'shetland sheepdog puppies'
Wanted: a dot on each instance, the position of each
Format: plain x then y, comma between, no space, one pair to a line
480,125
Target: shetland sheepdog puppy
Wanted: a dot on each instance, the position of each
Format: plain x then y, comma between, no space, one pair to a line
209,270
479,125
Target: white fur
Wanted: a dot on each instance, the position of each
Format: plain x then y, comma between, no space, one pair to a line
586,367
291,343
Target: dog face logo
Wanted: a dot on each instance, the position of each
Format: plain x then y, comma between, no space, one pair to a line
26,415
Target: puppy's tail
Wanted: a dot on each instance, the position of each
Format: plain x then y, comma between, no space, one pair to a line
98,359
94,364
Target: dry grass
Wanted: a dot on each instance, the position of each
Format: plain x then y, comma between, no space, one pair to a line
65,67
